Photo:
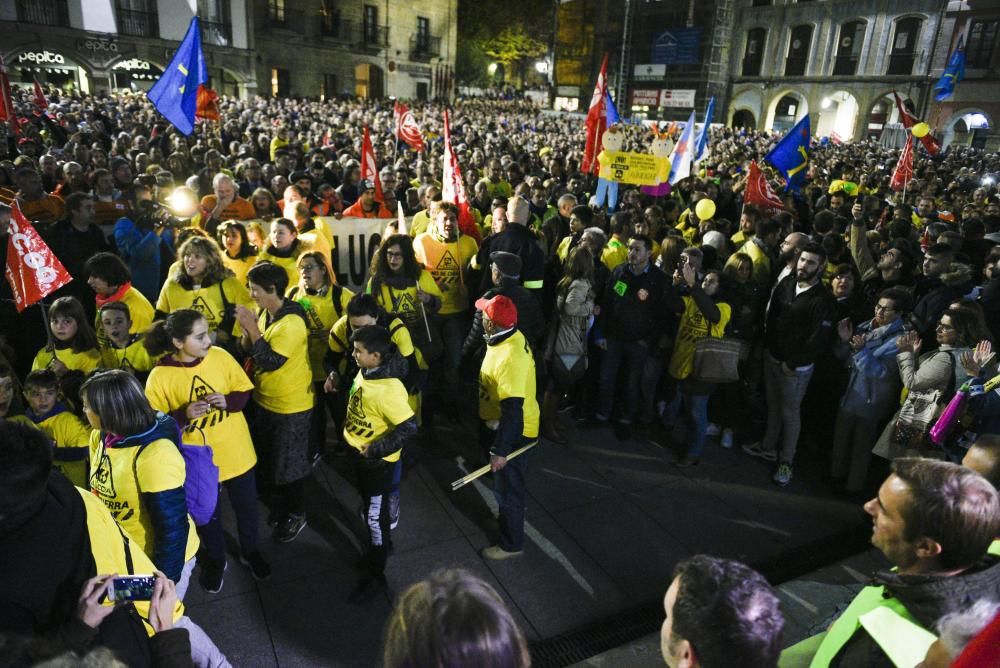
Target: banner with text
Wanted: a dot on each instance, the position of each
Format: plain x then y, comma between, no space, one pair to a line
355,242
638,169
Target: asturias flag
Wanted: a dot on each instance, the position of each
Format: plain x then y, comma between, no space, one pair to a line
952,74
175,95
791,155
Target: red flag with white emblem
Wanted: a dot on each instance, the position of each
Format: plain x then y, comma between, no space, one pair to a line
452,188
760,193
597,120
369,172
33,270
407,129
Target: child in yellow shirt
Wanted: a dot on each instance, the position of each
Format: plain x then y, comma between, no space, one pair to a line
70,435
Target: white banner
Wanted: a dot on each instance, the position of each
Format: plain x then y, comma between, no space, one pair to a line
355,242
677,97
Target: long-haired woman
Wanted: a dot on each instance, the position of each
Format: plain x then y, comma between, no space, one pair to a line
238,253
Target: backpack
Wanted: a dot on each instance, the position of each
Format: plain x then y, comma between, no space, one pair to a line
201,479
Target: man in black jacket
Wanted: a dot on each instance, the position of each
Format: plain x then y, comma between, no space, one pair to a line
517,239
631,329
801,318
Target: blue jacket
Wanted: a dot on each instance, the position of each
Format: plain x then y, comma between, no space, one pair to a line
874,386
141,251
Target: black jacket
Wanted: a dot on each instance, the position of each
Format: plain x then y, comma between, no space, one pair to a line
800,328
938,293
633,306
520,241
530,321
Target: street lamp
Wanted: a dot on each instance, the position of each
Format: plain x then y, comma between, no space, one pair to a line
542,66
491,69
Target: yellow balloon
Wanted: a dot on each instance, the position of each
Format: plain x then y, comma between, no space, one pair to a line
920,130
705,209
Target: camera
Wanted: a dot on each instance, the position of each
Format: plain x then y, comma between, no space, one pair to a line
153,214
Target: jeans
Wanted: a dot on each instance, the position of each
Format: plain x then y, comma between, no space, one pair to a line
243,498
634,355
374,481
696,409
204,653
853,437
510,491
784,397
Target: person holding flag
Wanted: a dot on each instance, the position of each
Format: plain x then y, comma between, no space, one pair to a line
791,155
371,202
406,128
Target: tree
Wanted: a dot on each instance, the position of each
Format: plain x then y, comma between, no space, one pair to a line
512,47
487,33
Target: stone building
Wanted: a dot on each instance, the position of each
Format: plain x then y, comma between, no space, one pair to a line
302,48
839,61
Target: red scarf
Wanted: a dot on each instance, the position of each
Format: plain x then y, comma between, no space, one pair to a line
116,296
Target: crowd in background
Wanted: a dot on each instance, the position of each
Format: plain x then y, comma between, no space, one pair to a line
205,300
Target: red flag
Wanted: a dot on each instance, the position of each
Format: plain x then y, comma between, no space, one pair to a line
207,104
760,193
597,120
407,129
452,188
904,168
369,172
7,112
33,270
39,98
931,144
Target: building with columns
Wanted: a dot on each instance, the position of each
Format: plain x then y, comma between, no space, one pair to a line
300,48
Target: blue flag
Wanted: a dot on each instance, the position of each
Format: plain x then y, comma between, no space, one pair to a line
683,155
791,155
701,143
175,95
611,110
952,74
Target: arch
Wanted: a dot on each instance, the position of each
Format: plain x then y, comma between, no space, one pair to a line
747,99
743,118
881,112
968,126
838,116
369,81
778,116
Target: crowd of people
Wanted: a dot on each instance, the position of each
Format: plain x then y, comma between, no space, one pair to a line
205,308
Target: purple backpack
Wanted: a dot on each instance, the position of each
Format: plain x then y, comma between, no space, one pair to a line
201,479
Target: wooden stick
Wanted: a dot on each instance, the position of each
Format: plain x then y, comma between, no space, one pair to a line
480,472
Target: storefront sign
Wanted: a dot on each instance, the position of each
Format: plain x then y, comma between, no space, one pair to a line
568,91
649,98
97,45
41,58
134,65
678,97
650,72
415,70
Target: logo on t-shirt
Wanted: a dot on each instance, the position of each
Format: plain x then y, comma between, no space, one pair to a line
447,270
199,390
101,480
354,406
405,306
357,423
200,305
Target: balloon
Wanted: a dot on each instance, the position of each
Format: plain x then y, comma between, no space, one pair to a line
920,130
705,209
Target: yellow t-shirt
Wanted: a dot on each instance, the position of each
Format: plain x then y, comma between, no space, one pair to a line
140,312
615,254
171,387
287,389
694,326
286,263
340,335
207,300
322,311
108,547
133,358
239,266
85,361
508,371
446,262
404,303
116,478
374,408
420,223
72,438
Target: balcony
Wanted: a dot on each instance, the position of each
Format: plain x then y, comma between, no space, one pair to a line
138,24
43,12
424,47
216,33
330,24
365,35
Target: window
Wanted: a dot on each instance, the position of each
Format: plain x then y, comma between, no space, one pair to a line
329,20
276,11
280,82
214,22
423,34
798,51
371,24
43,12
904,46
138,18
852,35
753,56
982,39
761,3
329,87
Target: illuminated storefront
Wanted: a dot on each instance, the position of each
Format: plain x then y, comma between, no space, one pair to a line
50,68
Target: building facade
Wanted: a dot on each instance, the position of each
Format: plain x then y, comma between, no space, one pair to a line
300,48
96,46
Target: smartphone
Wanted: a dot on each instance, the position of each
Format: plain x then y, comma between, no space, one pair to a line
131,588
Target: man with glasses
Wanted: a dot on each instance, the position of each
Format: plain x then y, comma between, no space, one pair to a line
872,392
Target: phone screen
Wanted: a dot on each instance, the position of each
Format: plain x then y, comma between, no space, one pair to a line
131,588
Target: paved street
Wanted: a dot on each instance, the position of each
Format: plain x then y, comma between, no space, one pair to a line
606,523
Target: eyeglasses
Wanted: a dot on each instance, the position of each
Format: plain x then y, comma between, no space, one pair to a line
879,308
943,327
309,267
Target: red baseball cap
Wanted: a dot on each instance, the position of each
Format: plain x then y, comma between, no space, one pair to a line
499,309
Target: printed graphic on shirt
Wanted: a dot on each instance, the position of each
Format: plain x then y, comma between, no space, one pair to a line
101,480
316,328
200,305
126,365
357,423
199,390
447,271
404,305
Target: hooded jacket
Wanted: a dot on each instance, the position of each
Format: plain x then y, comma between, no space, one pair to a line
394,366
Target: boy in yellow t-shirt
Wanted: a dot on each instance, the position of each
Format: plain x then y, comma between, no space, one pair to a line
120,348
379,421
70,435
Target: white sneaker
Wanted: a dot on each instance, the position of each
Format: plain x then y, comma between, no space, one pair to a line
713,429
727,438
